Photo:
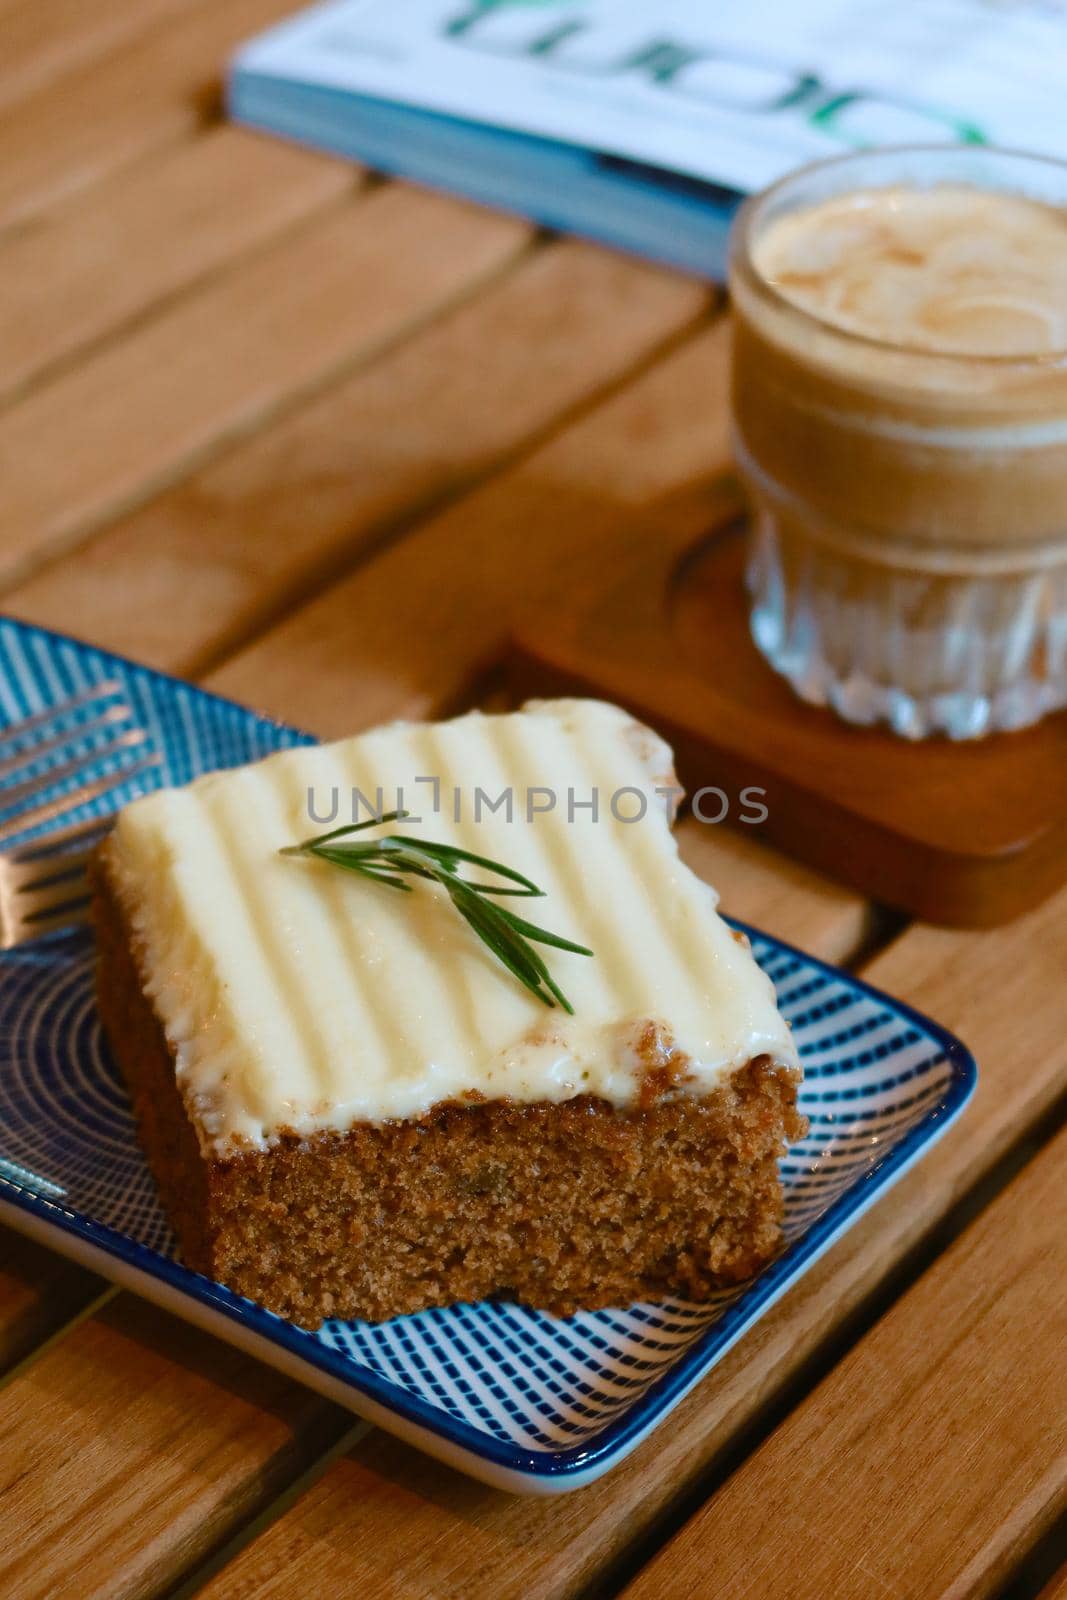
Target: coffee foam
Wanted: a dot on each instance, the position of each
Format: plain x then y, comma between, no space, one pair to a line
949,269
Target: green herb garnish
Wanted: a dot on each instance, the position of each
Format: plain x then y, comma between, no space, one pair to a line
394,857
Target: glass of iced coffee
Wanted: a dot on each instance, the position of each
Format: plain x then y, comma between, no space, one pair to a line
900,414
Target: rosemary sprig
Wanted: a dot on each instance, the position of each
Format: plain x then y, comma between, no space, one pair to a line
396,856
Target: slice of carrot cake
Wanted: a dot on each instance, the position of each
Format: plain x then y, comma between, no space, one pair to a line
496,1041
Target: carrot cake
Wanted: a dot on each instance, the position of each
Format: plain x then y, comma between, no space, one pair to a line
367,1082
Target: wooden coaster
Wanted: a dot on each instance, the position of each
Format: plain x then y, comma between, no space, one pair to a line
963,834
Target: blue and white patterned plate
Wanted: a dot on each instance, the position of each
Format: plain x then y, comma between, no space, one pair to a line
523,1400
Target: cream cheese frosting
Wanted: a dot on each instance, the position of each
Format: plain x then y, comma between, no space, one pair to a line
301,998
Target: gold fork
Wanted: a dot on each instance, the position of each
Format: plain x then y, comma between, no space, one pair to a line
43,885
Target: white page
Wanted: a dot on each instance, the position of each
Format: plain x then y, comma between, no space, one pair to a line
732,92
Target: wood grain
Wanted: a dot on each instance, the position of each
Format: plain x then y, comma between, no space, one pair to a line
220,555
384,1518
933,1456
153,91
762,887
39,1293
1056,1588
132,1445
436,609
44,39
223,360
111,256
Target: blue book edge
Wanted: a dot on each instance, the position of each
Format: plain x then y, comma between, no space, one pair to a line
661,216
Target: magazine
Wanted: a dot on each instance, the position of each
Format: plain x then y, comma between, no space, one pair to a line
641,123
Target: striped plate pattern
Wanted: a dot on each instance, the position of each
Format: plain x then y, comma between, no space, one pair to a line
517,1397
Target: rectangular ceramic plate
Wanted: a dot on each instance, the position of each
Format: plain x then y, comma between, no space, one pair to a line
520,1399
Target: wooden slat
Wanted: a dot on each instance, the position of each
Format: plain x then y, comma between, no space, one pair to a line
132,1445
437,608
154,90
410,1530
44,39
39,1292
1056,1588
226,358
86,268
933,1456
215,558
770,891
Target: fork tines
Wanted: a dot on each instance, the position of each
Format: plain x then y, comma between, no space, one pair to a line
56,715
42,758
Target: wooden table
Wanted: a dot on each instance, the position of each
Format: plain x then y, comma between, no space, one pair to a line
311,437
